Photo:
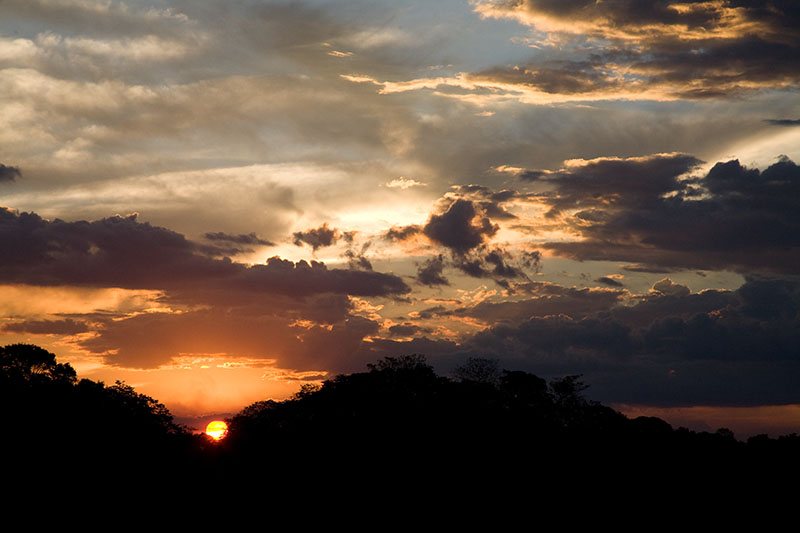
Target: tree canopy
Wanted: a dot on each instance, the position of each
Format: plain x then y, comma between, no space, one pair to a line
399,420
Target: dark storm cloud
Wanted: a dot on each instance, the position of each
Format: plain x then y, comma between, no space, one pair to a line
556,77
302,278
671,348
379,348
667,287
532,260
611,282
554,336
715,347
250,238
282,310
471,267
357,260
430,272
761,324
116,251
47,327
460,228
407,329
357,257
153,339
643,212
491,202
466,222
489,263
691,50
675,303
402,233
634,182
122,252
784,122
631,14
431,312
650,269
317,237
228,245
464,226
723,69
548,299
8,173
497,258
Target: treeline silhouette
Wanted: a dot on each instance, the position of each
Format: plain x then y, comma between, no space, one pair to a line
398,423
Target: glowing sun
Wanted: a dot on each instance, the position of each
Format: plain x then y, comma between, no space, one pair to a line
217,429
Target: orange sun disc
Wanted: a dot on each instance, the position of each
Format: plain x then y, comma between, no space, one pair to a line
217,429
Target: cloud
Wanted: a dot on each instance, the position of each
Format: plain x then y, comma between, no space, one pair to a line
609,181
282,310
489,263
493,203
654,212
460,228
553,77
152,340
464,226
632,50
357,259
784,122
611,282
402,233
301,278
668,347
747,330
404,183
8,173
407,329
47,327
430,272
547,300
532,260
123,252
227,244
555,337
676,348
669,288
250,238
676,301
318,237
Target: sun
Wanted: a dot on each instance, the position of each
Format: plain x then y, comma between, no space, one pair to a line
217,429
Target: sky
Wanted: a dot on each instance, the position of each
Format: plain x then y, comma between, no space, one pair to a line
218,202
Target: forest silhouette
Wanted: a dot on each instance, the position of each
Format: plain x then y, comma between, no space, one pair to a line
397,424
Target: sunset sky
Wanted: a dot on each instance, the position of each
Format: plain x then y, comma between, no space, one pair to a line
219,201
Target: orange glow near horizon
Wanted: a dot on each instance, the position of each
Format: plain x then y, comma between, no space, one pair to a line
217,429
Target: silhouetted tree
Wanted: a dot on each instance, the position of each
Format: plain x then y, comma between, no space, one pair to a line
403,363
567,391
99,428
397,423
32,365
479,370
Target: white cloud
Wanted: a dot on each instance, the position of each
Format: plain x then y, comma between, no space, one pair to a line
404,183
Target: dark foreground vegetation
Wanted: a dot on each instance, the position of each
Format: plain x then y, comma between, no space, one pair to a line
399,424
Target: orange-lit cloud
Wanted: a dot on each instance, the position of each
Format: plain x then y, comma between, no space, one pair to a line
636,21
630,51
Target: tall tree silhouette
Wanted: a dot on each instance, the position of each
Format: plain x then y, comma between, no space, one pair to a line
62,427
